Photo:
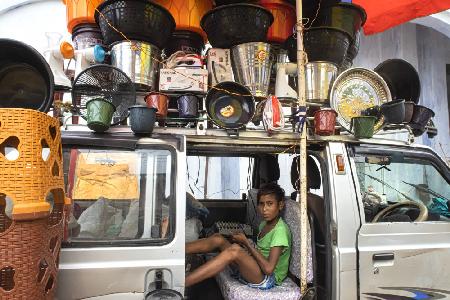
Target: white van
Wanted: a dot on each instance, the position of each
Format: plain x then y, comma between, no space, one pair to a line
378,212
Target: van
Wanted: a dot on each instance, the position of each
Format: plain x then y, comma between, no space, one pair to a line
378,213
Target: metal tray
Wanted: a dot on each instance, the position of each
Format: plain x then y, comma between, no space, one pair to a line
357,89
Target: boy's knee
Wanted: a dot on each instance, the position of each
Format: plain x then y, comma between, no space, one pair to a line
218,239
234,251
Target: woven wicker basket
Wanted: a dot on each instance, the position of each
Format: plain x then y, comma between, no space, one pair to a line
29,254
32,184
30,177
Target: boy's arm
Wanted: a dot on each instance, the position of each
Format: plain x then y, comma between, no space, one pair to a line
267,265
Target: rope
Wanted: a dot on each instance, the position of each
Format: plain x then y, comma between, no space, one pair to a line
134,47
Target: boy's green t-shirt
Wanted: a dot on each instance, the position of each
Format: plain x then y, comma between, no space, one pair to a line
279,236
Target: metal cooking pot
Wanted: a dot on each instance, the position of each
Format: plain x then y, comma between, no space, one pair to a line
319,79
137,60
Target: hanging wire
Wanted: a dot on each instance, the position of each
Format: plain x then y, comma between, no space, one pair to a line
163,63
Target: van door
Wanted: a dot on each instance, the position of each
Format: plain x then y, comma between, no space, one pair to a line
405,254
126,231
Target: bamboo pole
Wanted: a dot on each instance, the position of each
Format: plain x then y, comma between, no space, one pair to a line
301,195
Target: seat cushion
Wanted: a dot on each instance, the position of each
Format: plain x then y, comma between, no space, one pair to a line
232,289
291,215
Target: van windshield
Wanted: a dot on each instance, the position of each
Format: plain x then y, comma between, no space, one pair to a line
389,179
120,195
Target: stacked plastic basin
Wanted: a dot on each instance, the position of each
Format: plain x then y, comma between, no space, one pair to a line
33,206
81,23
284,20
187,13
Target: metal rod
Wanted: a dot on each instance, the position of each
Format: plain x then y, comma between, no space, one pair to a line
301,196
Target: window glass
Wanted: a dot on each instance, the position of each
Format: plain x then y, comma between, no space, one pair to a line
119,195
212,177
386,180
285,163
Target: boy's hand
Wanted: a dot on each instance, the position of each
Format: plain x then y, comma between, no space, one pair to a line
240,238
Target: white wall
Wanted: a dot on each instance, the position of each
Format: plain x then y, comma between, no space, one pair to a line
28,21
429,52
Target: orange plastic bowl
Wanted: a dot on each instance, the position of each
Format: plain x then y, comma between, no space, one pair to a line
284,19
187,13
80,11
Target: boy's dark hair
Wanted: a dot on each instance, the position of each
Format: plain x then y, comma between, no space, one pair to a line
271,189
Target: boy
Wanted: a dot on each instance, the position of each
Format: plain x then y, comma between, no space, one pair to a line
261,267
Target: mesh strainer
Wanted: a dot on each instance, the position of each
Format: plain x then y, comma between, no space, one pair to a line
107,82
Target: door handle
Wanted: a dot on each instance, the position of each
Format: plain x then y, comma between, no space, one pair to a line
383,257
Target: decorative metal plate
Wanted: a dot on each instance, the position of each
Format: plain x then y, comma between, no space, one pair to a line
355,90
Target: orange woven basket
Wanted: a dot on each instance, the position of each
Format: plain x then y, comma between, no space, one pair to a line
30,161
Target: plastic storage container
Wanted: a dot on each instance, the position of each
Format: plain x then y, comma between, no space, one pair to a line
87,35
30,161
186,41
284,20
187,13
80,11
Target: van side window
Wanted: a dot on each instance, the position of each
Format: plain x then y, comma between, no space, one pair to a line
219,177
389,179
120,195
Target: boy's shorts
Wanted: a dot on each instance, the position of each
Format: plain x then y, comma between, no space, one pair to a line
267,283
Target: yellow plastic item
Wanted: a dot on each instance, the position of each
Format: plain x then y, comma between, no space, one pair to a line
80,11
67,50
30,162
187,13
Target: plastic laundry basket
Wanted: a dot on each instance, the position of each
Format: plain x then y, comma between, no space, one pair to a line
30,161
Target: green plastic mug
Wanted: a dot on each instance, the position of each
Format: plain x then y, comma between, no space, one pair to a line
363,126
99,114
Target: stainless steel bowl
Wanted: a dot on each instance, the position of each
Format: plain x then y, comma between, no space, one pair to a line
138,60
319,79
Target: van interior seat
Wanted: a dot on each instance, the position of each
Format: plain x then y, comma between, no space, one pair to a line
316,204
232,289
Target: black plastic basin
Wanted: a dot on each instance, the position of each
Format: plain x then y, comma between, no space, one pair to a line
348,17
234,24
139,20
402,79
26,80
321,44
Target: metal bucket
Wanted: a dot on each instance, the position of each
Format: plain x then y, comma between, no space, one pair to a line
252,64
137,60
319,79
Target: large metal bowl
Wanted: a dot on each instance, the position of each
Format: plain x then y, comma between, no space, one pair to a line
355,90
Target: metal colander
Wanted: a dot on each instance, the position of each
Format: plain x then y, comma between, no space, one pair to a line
106,82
